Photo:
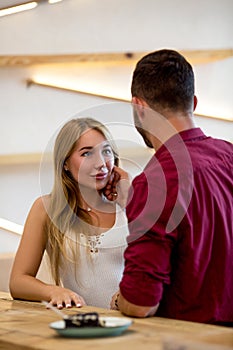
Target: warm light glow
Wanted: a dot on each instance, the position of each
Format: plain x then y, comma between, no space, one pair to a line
18,8
11,226
53,1
83,86
213,110
95,88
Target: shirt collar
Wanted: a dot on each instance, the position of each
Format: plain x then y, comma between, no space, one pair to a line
185,135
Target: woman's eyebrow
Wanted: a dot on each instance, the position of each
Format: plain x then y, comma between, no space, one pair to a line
105,145
85,147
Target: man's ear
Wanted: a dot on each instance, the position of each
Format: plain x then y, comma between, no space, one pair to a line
139,105
194,102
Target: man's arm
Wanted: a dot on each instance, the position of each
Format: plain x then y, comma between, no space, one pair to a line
130,309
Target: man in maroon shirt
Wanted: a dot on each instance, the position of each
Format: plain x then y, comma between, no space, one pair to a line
179,259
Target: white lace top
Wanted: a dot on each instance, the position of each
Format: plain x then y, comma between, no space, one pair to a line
100,266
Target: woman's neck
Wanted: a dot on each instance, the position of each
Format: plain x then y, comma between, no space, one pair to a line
94,201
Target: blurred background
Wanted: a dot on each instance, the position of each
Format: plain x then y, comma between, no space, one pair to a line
76,57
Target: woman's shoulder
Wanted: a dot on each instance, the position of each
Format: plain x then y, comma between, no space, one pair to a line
38,214
41,204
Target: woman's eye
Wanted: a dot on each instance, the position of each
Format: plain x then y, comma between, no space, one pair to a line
86,154
107,152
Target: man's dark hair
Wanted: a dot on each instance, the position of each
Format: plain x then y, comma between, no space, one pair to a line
164,79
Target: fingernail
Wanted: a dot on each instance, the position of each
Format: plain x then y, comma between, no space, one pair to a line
59,306
78,305
68,305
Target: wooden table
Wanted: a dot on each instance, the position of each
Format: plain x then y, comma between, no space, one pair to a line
25,325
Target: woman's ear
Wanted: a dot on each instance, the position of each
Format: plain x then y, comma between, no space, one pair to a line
66,166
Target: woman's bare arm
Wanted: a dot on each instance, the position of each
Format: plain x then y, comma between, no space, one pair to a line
23,281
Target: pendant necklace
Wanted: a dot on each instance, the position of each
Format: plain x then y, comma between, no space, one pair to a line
104,199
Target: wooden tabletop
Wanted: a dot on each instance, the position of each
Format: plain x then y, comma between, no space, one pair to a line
25,325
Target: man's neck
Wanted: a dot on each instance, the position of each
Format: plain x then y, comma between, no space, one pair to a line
173,124
182,122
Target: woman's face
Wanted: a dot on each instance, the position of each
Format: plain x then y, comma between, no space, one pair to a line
92,161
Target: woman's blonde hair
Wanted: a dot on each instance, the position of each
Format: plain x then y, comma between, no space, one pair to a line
64,211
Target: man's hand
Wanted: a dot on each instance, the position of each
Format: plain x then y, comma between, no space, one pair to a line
113,304
130,309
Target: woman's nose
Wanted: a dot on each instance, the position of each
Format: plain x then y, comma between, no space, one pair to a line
100,162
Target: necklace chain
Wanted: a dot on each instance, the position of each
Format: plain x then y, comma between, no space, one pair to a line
104,199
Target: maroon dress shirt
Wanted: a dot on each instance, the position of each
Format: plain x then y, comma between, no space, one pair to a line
180,247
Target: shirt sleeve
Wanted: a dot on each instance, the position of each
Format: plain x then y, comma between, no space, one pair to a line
148,254
147,269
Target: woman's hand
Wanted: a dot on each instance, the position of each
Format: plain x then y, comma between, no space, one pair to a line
62,297
118,186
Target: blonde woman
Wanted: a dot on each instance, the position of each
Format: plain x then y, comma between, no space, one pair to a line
79,223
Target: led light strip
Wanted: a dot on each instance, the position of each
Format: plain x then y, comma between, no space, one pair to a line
18,8
11,226
24,7
67,87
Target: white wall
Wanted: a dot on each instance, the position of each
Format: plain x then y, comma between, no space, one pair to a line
30,115
110,25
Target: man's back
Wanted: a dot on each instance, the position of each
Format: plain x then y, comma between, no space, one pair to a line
202,280
193,261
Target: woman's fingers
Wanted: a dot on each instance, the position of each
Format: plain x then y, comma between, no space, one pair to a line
66,298
110,190
77,300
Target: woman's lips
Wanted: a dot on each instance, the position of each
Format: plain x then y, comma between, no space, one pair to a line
101,176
